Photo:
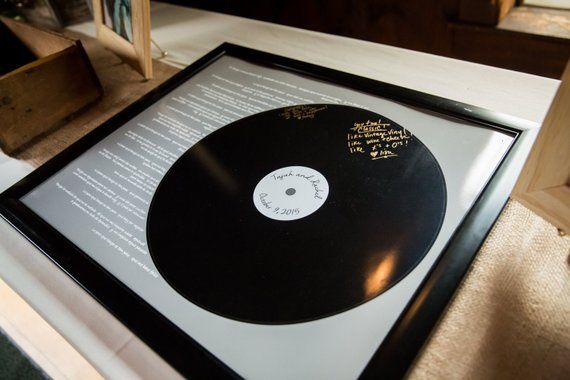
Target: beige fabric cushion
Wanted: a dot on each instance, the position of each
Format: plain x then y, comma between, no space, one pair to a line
510,318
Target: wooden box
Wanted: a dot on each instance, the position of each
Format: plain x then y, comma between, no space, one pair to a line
544,183
42,94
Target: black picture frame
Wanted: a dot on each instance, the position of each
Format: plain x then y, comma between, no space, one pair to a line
395,354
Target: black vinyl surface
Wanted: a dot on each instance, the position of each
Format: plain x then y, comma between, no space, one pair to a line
214,247
405,339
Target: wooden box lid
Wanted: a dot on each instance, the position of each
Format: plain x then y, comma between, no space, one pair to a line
46,93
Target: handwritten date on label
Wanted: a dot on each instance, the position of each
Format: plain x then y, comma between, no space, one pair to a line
277,210
377,139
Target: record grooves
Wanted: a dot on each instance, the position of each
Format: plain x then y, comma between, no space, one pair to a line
295,214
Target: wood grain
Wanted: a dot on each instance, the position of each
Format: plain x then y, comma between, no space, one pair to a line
42,95
122,86
421,25
41,42
488,12
543,185
546,56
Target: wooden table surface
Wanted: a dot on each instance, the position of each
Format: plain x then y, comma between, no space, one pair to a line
187,34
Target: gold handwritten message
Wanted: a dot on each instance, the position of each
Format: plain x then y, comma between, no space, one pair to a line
377,139
301,112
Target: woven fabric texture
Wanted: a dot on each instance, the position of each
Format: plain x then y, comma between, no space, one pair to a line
510,318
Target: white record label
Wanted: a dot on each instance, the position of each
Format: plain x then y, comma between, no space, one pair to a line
290,193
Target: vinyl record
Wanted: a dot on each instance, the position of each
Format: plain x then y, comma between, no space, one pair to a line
296,214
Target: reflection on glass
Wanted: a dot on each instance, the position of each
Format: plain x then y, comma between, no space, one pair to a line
380,275
217,169
488,157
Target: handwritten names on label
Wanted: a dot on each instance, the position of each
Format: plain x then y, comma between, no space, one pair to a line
290,193
377,139
301,112
310,178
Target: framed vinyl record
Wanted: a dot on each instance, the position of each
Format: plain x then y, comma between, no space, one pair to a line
260,217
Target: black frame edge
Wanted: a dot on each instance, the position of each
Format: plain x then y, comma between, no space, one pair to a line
392,359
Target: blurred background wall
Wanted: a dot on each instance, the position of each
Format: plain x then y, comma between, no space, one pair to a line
503,33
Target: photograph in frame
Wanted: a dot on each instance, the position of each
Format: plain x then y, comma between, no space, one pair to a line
118,17
123,26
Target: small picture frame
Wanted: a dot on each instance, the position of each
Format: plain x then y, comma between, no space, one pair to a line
123,26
